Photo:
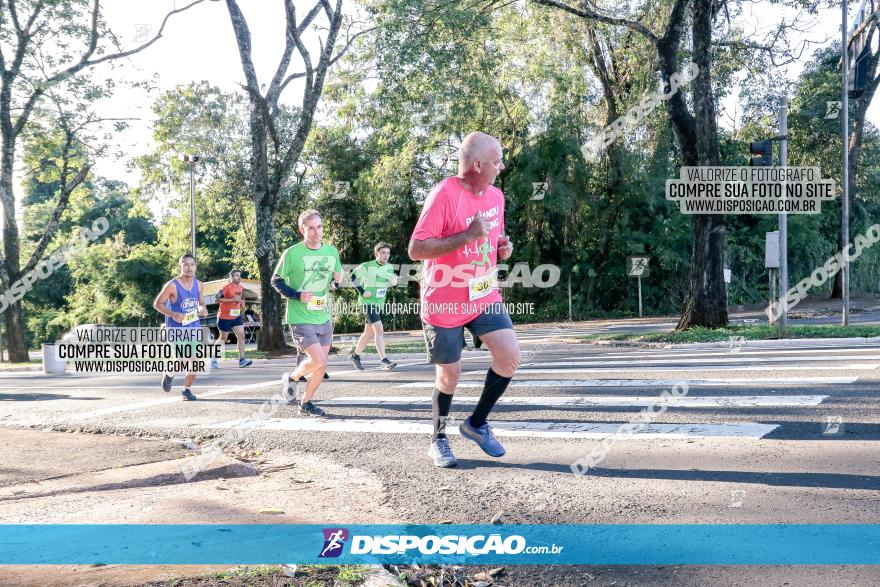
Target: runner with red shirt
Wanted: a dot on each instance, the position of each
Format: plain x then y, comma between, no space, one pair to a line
460,237
229,317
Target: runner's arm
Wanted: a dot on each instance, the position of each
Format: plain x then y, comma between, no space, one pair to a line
162,298
431,248
357,284
221,297
279,285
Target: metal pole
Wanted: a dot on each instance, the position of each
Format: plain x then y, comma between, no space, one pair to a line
569,298
192,208
844,221
783,220
772,291
640,296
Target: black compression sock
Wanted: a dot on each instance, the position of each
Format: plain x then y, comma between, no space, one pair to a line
492,390
440,405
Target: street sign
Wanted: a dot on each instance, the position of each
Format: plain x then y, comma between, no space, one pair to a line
637,266
771,250
858,51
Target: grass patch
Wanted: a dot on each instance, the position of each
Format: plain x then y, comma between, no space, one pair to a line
747,331
272,576
399,347
30,363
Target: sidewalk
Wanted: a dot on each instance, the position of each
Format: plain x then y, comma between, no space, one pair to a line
71,478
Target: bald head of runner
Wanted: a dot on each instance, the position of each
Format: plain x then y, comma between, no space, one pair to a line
479,161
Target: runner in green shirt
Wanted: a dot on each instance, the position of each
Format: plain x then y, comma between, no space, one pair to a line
372,280
304,275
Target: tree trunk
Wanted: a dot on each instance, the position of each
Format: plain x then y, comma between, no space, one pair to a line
706,304
15,338
18,349
272,307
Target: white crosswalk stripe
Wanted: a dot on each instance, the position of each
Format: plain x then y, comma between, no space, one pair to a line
595,400
704,361
708,382
567,430
743,354
628,369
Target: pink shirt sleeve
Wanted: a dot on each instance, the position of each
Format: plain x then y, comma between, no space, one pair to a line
432,222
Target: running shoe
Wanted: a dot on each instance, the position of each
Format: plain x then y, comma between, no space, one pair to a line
303,377
188,395
310,409
215,364
483,436
288,388
356,361
245,362
167,380
387,365
441,453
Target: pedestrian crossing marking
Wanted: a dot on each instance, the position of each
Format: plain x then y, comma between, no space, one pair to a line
561,430
594,401
704,361
719,381
631,369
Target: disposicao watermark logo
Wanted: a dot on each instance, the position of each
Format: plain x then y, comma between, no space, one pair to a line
453,544
334,541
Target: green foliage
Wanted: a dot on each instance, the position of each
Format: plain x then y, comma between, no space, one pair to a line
394,112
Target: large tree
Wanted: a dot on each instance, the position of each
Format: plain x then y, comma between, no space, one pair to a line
276,141
46,50
668,25
697,137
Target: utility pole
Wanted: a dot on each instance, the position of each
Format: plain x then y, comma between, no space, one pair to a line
844,222
783,220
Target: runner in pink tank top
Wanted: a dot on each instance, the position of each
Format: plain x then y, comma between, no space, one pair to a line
460,238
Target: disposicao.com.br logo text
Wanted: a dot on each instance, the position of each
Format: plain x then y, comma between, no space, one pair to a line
450,544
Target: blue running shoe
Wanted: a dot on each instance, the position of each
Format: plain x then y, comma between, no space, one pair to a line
483,436
245,362
188,395
167,380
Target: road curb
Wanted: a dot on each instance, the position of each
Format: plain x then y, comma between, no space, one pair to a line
22,369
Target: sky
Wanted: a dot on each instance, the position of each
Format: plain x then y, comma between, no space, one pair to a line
199,45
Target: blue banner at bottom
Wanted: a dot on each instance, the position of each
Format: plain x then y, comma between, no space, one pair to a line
646,544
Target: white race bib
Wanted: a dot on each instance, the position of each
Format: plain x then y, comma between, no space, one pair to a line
380,292
317,303
235,313
190,317
480,287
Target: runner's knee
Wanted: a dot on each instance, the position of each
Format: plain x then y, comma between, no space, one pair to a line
448,376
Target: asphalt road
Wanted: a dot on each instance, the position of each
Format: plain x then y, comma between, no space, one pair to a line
762,435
